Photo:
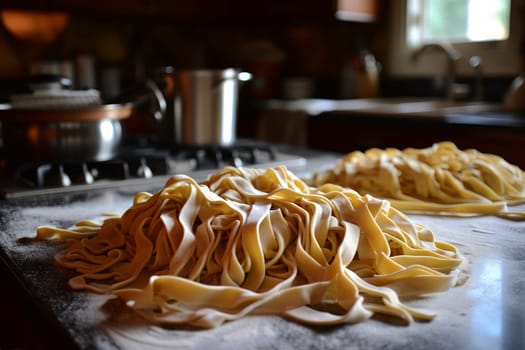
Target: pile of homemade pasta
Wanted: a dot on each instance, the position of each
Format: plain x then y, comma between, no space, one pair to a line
438,179
253,241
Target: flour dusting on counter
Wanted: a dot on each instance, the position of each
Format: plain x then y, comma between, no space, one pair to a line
487,311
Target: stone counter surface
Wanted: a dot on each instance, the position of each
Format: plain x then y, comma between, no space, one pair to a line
347,125
486,312
415,110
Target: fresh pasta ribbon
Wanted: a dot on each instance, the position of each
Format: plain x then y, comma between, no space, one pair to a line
438,179
257,241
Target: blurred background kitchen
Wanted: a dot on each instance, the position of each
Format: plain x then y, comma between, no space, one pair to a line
335,75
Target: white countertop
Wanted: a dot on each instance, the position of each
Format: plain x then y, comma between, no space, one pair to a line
486,312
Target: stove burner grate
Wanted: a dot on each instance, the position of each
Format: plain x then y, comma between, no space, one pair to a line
67,174
144,163
216,156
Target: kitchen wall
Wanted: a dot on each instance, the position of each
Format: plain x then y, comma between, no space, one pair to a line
273,47
275,42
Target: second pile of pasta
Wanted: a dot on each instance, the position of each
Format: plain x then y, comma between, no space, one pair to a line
440,178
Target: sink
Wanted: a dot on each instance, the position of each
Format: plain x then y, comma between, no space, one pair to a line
403,106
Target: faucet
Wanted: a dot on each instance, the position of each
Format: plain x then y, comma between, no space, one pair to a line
476,64
452,56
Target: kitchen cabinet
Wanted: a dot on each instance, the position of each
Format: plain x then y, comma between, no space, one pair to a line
36,5
127,7
360,124
154,8
197,9
347,132
291,9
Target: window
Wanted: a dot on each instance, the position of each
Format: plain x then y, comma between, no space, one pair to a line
457,20
486,28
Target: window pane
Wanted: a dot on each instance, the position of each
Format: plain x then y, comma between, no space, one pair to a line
459,20
488,20
445,20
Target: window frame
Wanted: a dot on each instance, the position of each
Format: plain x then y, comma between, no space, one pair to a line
499,58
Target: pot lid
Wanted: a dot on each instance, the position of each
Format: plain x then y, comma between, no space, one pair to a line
86,113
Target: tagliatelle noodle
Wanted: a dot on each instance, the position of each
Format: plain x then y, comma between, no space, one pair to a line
438,179
253,241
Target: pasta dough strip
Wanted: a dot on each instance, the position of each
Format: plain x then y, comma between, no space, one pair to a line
260,241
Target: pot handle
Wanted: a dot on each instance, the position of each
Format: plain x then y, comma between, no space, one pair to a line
144,92
160,101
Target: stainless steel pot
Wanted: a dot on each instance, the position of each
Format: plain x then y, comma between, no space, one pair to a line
201,106
62,134
90,133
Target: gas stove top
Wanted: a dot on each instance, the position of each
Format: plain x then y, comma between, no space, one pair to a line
137,164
